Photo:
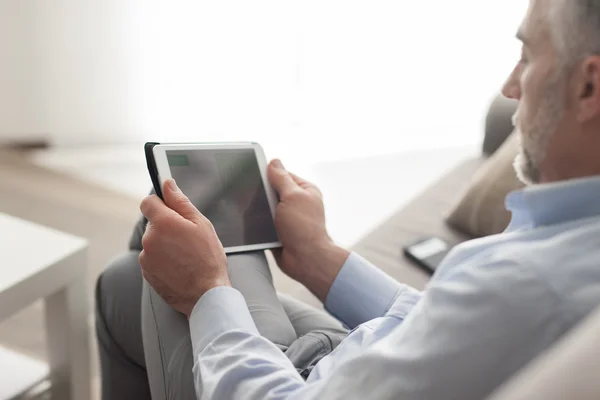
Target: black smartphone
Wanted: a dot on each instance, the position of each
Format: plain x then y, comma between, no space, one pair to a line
428,253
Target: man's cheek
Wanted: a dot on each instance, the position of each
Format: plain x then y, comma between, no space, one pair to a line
524,115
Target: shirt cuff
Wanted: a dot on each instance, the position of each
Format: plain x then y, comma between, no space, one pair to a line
220,310
361,292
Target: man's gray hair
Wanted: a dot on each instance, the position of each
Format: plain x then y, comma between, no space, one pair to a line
575,28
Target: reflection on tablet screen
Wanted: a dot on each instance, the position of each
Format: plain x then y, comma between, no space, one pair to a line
226,186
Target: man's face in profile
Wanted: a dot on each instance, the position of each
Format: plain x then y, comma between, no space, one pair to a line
537,82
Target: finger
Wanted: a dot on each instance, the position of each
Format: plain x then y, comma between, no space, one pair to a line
303,183
298,180
179,202
152,207
281,180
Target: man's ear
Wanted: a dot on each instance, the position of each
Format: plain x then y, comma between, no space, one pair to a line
588,89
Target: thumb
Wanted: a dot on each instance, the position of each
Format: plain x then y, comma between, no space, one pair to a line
176,200
281,180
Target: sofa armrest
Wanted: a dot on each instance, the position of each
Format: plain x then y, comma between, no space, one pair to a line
568,370
498,123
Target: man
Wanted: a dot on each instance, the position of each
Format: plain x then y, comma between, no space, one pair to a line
494,304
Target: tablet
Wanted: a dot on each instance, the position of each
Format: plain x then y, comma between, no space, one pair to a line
228,184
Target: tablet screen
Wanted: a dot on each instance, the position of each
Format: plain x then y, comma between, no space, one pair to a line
227,187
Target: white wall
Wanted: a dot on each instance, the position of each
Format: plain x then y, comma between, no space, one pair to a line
64,70
16,120
82,91
354,76
326,77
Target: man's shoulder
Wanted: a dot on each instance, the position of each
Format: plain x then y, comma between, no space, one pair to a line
499,292
550,251
558,263
562,256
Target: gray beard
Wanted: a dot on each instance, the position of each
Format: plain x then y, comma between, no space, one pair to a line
533,145
527,172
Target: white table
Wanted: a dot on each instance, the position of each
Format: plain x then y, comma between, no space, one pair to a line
38,262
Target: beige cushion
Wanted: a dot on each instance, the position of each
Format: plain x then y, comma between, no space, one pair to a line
480,210
569,370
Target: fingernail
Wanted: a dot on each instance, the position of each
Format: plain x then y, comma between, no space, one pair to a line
173,186
278,164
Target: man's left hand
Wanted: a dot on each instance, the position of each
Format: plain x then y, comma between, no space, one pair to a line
182,258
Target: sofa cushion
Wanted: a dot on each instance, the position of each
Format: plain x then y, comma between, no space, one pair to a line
498,123
422,217
480,209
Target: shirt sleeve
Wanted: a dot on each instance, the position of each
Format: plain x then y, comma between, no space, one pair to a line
362,292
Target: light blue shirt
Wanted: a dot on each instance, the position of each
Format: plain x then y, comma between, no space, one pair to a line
494,304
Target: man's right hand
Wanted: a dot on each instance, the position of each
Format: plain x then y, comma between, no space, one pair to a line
308,255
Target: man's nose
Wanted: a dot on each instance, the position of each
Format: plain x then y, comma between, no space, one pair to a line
512,88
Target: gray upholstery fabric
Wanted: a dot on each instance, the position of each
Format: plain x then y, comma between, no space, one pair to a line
423,217
498,124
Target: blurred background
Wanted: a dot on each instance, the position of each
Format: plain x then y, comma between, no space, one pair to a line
312,81
338,79
372,100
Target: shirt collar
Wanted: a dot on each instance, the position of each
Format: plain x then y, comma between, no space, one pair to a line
555,203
